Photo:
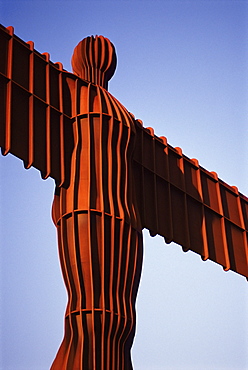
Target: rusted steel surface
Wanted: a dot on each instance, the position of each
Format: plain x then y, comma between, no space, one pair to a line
99,234
35,103
100,240
113,178
184,203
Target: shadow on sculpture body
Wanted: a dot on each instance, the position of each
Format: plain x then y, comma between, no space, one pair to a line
99,232
72,128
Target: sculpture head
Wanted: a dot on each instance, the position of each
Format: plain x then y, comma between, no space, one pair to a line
94,60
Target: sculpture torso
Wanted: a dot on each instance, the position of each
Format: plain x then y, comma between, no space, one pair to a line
101,179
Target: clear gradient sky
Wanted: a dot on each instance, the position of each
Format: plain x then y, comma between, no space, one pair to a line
182,69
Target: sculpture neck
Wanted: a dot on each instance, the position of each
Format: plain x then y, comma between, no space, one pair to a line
94,76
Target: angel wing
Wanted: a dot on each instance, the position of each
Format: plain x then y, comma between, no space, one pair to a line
185,203
176,198
35,108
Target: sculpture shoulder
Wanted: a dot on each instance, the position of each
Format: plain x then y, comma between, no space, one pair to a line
88,98
113,106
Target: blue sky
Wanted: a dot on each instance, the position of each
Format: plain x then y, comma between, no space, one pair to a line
182,69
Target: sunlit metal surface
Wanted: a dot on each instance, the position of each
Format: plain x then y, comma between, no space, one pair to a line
113,178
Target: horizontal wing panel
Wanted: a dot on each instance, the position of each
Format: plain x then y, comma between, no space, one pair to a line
35,108
185,203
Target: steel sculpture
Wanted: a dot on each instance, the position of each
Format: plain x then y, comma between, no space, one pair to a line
113,178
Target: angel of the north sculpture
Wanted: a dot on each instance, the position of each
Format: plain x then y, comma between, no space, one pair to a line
113,178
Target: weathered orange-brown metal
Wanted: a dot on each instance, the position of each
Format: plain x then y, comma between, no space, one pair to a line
189,205
100,241
113,178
